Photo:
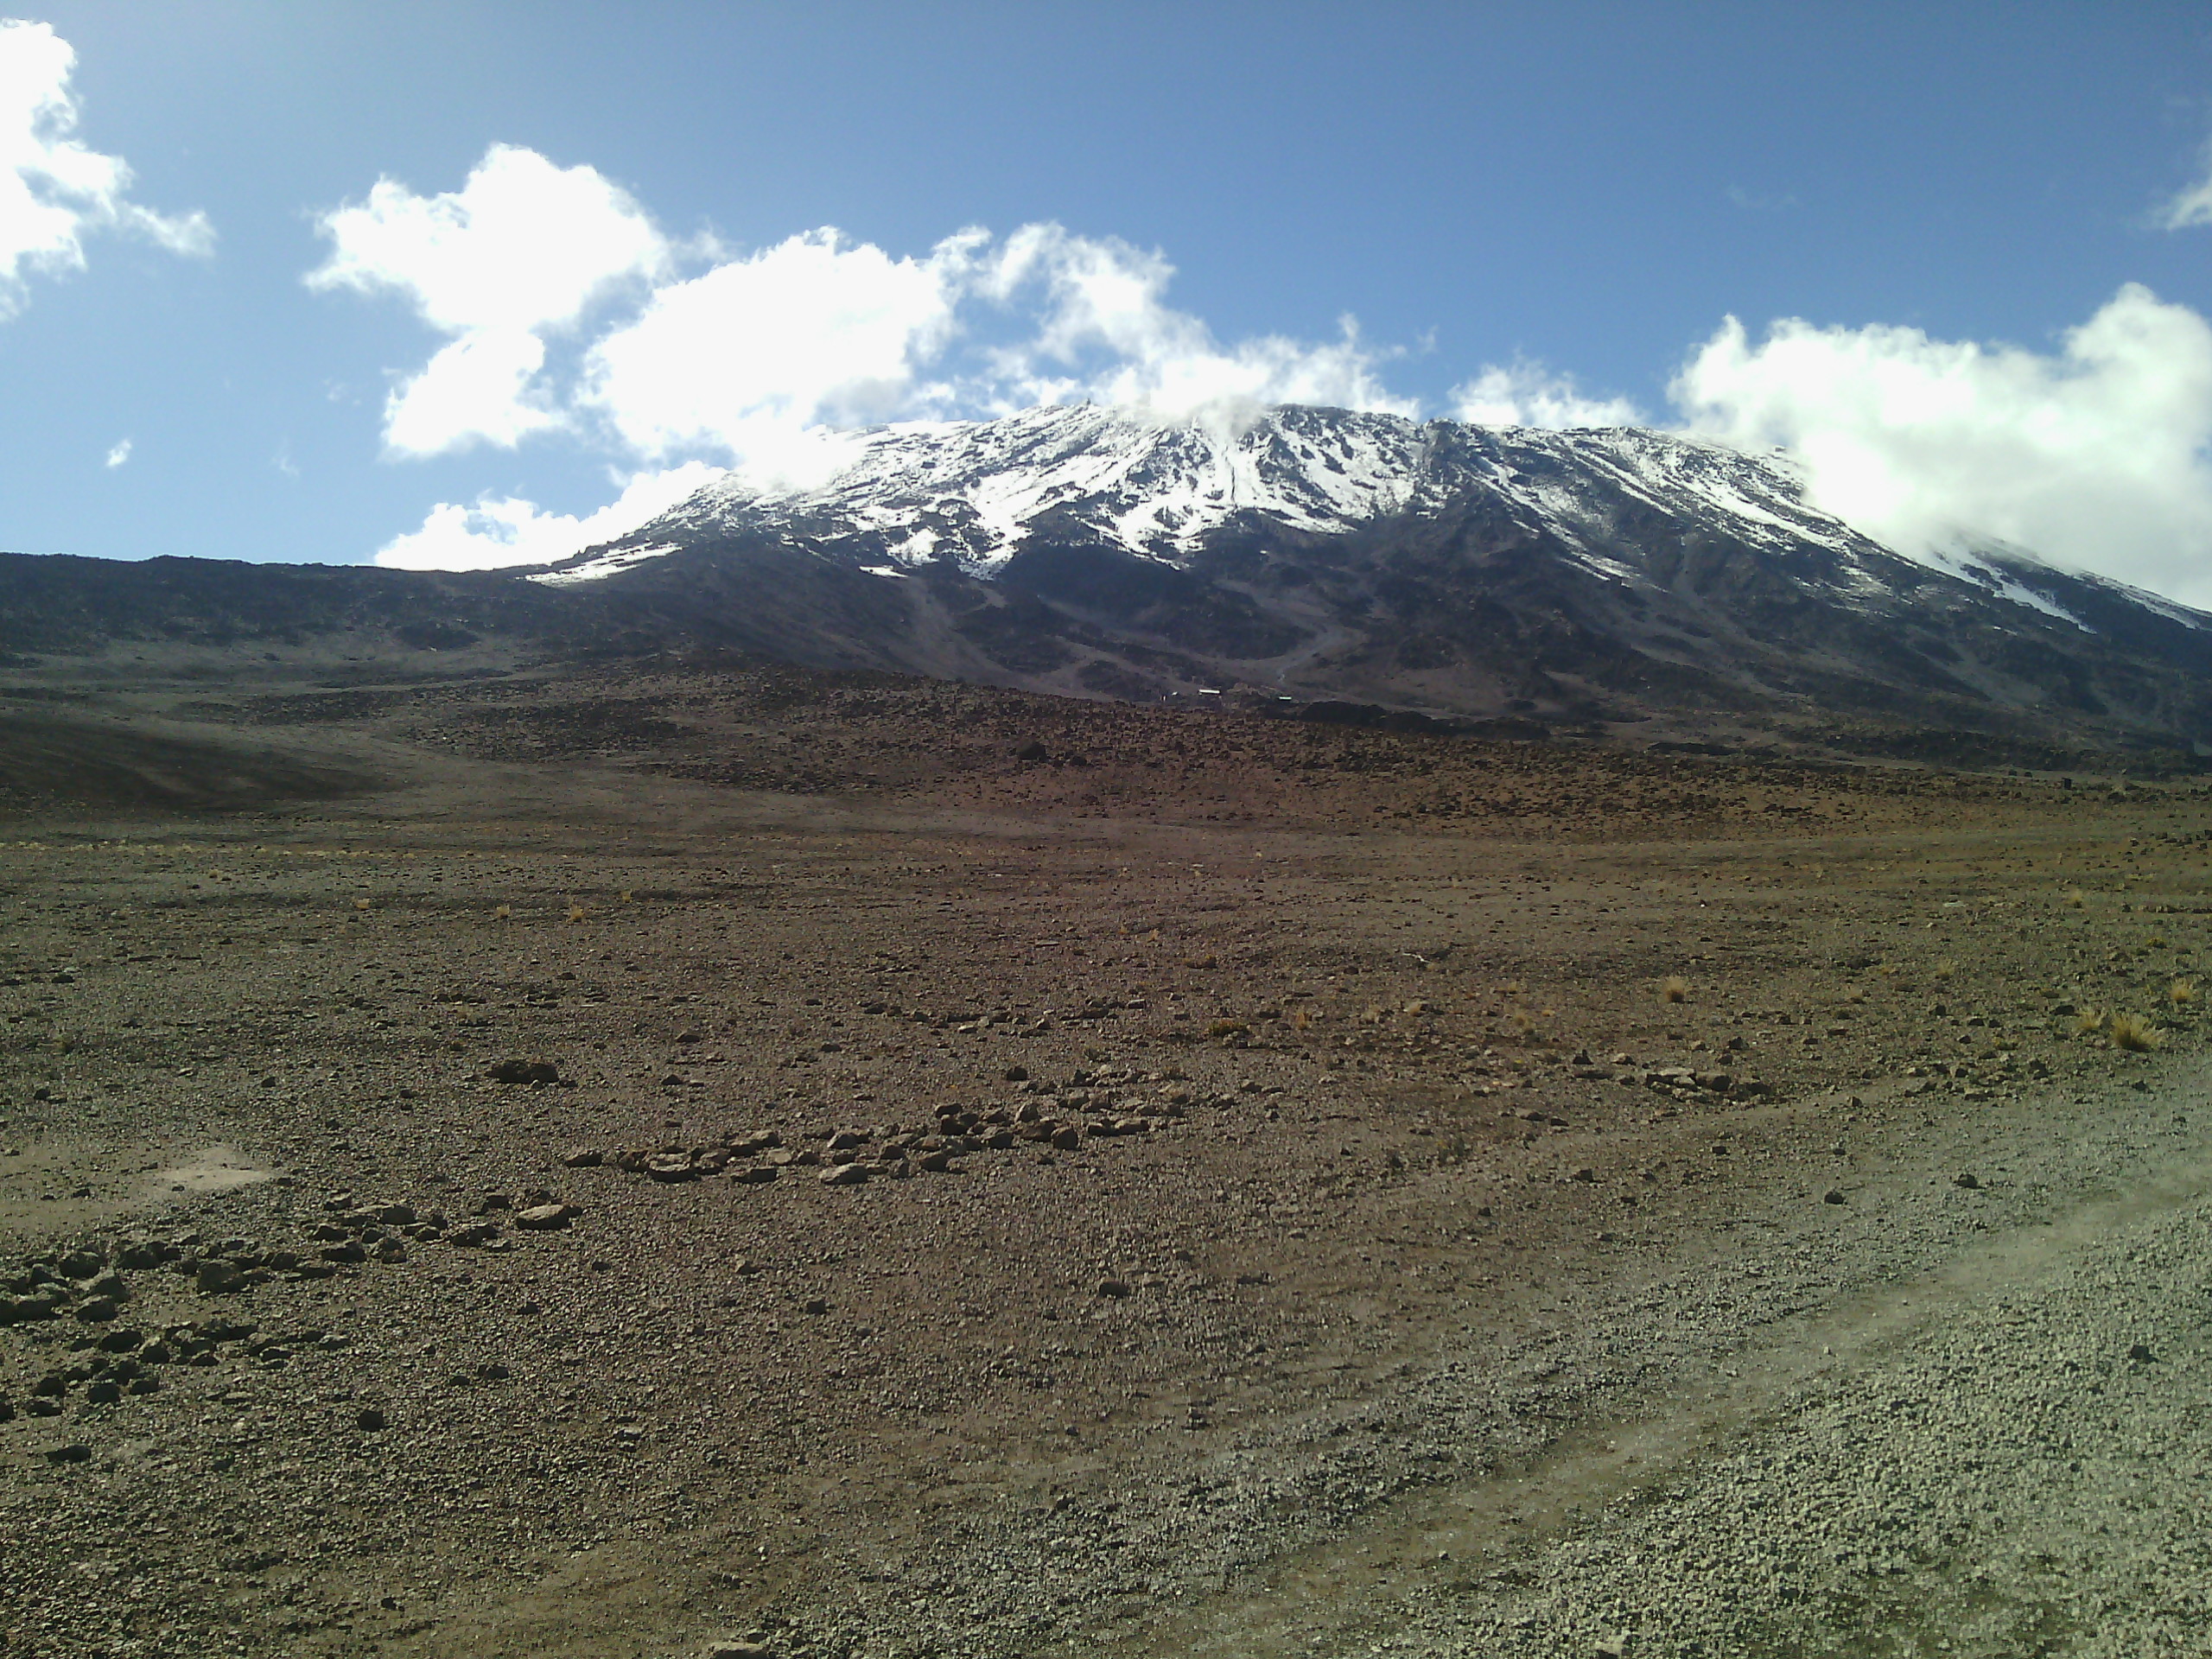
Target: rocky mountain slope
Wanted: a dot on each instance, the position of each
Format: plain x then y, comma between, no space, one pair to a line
1618,579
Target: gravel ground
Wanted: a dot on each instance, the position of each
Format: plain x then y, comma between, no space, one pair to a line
1426,1214
2018,1463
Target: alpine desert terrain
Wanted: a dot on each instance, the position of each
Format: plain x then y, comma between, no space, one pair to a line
682,1155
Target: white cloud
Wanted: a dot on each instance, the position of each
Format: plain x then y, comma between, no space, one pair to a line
2192,206
478,387
520,251
1527,394
505,529
2093,455
118,455
53,191
1104,333
813,331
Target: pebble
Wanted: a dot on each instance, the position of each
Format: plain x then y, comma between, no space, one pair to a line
843,1175
544,1217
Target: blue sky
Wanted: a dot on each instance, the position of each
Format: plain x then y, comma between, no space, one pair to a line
1984,233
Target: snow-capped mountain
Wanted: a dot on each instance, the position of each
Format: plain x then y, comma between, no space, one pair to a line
1594,576
1612,581
976,492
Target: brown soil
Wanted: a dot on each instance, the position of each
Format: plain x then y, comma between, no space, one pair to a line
1372,1058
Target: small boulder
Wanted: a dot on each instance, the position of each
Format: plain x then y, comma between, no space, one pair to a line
217,1277
545,1217
536,1074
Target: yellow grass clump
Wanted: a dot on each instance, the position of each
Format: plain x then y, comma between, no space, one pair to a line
1674,988
1944,969
577,913
503,913
2133,1031
2088,1021
360,904
2182,992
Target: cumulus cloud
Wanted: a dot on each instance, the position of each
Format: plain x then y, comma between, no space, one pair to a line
519,251
53,190
2093,455
506,529
1102,332
118,455
813,331
1527,394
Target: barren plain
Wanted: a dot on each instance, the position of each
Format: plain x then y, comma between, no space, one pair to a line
723,1159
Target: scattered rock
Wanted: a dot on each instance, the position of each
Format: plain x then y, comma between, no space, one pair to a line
583,1158
1966,1178
545,1217
537,1074
75,1451
843,1175
220,1278
1834,1195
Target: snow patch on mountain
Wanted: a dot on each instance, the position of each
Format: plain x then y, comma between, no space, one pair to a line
977,492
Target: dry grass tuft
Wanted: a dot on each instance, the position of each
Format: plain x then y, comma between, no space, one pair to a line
1674,988
2182,992
1944,969
503,913
2075,899
2156,941
360,904
2133,1031
2088,1021
577,913
1223,1030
